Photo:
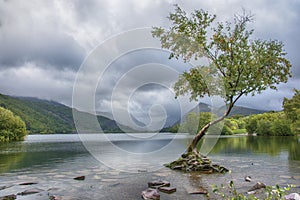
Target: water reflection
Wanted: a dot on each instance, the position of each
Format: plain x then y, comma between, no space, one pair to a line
35,154
273,146
19,155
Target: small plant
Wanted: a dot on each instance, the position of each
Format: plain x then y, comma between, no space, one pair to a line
276,192
230,193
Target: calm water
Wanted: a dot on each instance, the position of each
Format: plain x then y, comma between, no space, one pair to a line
54,160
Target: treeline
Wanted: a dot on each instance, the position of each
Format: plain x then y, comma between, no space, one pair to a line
12,127
283,123
286,122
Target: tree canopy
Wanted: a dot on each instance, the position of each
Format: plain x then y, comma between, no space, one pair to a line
292,111
244,65
12,128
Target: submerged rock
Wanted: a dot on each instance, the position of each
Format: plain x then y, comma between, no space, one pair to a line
30,191
9,197
5,187
193,190
150,194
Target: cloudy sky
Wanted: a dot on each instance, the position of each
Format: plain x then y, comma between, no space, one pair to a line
44,43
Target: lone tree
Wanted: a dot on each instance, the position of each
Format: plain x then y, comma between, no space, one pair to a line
245,66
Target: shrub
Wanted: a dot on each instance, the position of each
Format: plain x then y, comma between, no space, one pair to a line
12,128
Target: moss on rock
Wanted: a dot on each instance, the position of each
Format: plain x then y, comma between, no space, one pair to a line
192,162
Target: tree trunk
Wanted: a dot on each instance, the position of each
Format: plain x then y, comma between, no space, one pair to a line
193,146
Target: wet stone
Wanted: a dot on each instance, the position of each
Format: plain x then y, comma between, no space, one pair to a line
5,187
167,190
9,197
248,178
54,197
292,196
28,183
30,191
193,190
257,186
79,178
150,194
158,183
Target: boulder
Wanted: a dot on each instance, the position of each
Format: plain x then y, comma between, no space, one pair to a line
150,194
292,196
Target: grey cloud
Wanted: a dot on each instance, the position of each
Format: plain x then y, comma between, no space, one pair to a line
28,37
47,41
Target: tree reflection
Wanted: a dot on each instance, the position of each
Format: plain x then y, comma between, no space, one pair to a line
273,145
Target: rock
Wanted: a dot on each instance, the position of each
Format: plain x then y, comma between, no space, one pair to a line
257,186
151,194
168,190
192,162
248,178
177,167
5,187
30,191
28,183
198,190
9,197
79,178
54,197
292,196
158,183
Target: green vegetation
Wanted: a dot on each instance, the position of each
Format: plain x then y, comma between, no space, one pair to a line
285,123
292,111
273,123
243,65
12,128
195,122
48,117
40,116
230,192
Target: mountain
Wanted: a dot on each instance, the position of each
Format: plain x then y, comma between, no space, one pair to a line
236,110
46,117
239,110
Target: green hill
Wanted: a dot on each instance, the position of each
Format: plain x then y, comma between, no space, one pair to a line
47,117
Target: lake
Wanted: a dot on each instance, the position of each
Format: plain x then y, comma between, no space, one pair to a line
53,161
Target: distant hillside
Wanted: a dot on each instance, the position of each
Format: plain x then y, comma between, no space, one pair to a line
46,117
236,110
239,110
